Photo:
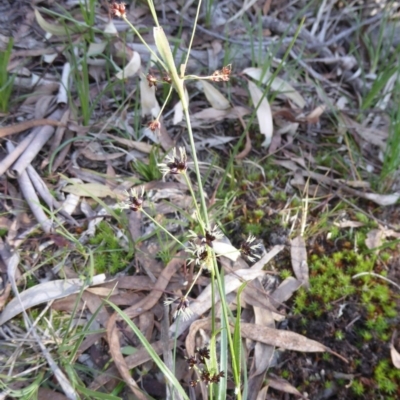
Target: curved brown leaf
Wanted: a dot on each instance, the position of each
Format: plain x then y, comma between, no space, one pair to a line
134,311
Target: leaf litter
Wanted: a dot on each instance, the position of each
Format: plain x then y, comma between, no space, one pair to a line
94,155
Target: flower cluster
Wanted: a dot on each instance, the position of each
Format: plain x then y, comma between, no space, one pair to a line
154,125
222,75
182,307
151,80
199,255
118,9
210,236
206,376
133,200
249,250
174,165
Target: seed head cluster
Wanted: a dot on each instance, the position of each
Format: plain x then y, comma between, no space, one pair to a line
222,75
118,9
249,249
133,201
182,307
200,357
174,164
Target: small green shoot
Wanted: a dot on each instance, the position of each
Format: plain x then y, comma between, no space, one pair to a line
6,80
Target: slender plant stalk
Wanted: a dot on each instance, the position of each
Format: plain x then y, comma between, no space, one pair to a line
144,42
204,214
162,228
191,39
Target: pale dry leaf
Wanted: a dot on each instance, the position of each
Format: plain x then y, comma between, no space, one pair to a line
258,299
279,338
298,255
349,224
148,102
95,49
110,28
382,199
212,114
214,141
314,115
264,114
288,127
178,109
356,184
223,247
263,353
178,113
45,292
282,385
54,29
262,394
374,238
102,291
70,203
277,85
131,68
374,136
23,126
285,290
394,354
141,146
90,189
44,105
214,96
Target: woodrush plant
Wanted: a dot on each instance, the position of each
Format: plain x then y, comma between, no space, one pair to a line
201,246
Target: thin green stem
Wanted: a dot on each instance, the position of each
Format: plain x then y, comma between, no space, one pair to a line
153,11
191,38
189,184
204,214
194,281
224,307
144,42
165,103
162,228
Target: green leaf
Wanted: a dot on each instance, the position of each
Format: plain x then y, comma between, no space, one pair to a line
155,357
164,49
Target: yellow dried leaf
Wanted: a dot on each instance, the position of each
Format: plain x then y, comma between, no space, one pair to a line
277,85
131,68
90,189
214,96
54,29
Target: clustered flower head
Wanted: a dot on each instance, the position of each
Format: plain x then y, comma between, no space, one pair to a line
174,165
118,9
154,125
151,80
199,255
249,250
222,75
182,308
134,200
206,376
210,235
